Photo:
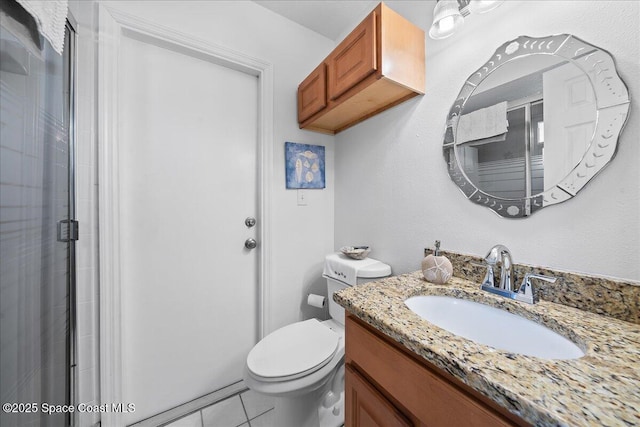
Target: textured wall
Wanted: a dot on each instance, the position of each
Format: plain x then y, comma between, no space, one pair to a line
392,187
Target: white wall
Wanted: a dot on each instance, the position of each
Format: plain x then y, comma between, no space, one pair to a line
393,191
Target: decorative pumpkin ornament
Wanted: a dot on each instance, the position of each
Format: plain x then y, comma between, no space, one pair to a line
437,268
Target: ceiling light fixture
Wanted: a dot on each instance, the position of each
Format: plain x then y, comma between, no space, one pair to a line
448,15
482,6
446,19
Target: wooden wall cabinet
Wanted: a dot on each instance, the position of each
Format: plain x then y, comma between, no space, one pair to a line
312,93
381,63
386,385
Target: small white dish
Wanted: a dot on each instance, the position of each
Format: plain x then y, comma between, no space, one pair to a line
355,252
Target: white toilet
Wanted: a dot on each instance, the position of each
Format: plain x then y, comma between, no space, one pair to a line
302,364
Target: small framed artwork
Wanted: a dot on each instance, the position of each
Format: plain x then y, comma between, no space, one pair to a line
304,165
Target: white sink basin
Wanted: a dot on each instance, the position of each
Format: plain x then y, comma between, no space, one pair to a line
493,327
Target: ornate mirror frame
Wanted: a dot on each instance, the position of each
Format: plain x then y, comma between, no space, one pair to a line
612,107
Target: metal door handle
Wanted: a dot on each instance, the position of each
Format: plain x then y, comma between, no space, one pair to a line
250,222
67,230
250,243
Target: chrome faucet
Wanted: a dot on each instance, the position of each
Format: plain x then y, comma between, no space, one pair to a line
499,256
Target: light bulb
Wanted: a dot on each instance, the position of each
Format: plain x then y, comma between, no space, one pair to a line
446,24
446,18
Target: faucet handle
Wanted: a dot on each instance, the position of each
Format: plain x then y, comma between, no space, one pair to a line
526,289
539,276
489,276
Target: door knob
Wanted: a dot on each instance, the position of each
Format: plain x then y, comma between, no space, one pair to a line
250,243
250,222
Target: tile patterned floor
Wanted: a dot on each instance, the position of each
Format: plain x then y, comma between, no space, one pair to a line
248,409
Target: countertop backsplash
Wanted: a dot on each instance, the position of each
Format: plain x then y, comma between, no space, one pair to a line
600,295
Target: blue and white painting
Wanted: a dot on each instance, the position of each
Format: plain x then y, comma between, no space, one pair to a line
304,165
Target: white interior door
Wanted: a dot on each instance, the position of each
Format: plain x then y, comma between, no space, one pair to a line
569,121
188,179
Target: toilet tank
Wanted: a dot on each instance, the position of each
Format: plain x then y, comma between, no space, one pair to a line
342,272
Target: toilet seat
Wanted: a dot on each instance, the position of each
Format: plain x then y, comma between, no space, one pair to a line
293,351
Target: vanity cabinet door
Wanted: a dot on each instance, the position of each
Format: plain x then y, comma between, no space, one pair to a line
354,58
312,93
367,407
427,395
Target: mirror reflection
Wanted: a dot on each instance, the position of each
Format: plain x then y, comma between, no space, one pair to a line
527,120
509,144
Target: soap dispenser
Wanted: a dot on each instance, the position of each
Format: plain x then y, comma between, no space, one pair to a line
437,268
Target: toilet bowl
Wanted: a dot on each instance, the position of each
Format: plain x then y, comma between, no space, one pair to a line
302,364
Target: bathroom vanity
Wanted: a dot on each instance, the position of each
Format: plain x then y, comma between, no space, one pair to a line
404,371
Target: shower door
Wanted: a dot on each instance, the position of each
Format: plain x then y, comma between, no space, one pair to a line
36,213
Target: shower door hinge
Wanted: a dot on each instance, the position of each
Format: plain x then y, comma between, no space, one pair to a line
67,230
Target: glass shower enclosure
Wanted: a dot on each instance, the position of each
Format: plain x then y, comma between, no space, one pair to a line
37,227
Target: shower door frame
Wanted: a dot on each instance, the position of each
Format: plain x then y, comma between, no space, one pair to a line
71,391
72,25
112,24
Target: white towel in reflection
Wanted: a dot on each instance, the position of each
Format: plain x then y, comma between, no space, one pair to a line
51,17
484,123
483,141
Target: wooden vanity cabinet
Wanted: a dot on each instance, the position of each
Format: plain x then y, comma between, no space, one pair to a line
380,64
367,406
386,385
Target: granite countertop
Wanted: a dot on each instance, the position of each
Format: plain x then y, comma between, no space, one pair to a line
600,389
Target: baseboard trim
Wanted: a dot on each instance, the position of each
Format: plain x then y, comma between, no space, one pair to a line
195,405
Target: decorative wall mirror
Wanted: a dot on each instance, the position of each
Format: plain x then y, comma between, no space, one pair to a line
533,125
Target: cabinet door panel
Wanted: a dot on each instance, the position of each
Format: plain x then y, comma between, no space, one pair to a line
366,406
312,93
423,392
354,59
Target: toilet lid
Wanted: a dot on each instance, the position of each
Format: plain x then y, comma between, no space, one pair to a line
299,348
